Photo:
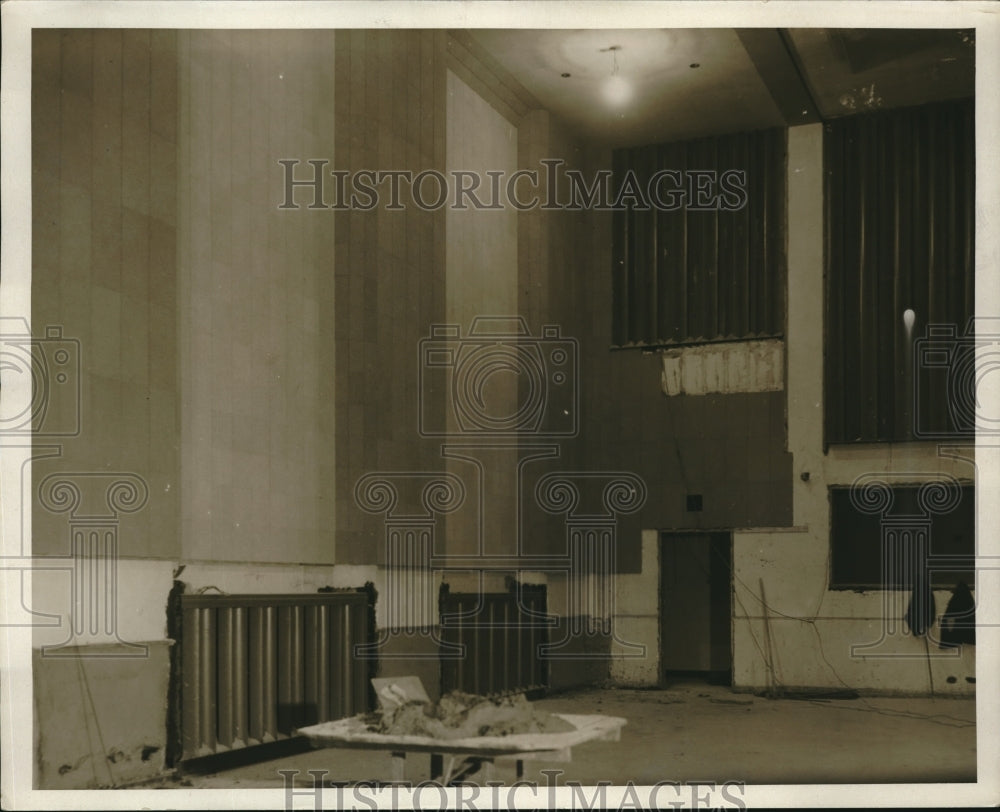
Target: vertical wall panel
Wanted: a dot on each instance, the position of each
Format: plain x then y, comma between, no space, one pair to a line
359,674
622,260
226,677
339,687
687,272
900,214
389,267
240,667
262,663
206,667
316,657
192,687
233,668
289,667
347,665
256,438
93,226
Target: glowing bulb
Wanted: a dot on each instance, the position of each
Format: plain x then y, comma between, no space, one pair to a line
617,91
909,317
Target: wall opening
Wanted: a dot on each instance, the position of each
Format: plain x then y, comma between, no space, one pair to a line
696,606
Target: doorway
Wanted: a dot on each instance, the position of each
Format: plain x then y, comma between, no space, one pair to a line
696,606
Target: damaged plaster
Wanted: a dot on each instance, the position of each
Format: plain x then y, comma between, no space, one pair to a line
741,366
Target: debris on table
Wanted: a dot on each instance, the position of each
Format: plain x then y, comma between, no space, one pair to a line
395,691
459,715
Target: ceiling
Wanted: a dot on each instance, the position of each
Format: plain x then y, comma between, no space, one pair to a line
628,87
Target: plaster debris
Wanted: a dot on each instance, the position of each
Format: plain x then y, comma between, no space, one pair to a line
459,715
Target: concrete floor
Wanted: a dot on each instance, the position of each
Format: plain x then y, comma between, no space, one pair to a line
697,732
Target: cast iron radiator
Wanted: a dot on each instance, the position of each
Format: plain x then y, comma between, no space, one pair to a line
502,634
255,667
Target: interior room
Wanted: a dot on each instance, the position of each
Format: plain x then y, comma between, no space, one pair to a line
630,370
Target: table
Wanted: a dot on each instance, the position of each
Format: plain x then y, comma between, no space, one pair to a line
353,733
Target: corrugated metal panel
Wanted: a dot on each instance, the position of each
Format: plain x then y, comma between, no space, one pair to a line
502,634
255,667
900,228
682,274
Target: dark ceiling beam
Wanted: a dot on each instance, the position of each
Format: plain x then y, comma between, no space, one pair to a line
778,65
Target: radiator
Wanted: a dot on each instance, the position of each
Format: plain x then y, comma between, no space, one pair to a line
255,667
502,636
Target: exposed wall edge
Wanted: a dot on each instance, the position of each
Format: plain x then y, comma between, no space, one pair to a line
741,366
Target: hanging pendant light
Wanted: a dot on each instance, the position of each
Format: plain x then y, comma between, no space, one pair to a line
616,89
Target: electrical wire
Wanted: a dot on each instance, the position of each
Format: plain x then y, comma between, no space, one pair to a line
937,718
97,724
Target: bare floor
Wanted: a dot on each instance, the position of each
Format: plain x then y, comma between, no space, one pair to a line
697,732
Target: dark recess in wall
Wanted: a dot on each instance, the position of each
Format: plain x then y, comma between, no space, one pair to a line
174,746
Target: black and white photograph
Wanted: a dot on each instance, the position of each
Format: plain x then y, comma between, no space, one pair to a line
429,405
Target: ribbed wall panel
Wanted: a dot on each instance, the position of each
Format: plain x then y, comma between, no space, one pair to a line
191,712
684,274
346,664
501,639
256,667
900,232
205,673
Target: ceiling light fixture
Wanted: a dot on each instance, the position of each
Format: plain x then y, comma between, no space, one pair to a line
617,90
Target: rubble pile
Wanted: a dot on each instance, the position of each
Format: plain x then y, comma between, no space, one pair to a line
459,715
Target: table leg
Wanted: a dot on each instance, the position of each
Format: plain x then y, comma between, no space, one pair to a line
520,769
437,766
489,773
398,767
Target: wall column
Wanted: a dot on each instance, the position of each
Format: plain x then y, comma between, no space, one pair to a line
804,331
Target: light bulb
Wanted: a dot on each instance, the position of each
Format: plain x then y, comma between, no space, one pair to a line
909,317
617,90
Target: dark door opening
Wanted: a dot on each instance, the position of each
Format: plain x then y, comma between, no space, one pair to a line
696,606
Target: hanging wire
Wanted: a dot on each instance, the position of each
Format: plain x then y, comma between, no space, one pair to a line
935,718
614,49
85,682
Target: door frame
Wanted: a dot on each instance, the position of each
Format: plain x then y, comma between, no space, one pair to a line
708,534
